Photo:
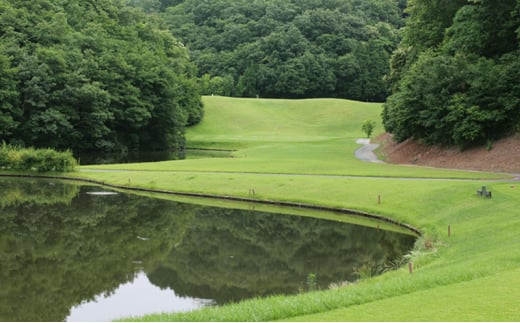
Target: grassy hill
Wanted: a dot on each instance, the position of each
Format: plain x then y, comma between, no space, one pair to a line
263,120
316,136
470,275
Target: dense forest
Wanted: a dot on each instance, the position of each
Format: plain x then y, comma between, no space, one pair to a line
123,75
92,75
455,78
287,48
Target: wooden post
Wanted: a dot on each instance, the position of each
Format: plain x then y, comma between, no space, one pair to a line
449,230
410,267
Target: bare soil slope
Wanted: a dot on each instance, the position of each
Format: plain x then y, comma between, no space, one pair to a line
503,157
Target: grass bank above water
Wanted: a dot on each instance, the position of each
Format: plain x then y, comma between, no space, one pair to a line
303,151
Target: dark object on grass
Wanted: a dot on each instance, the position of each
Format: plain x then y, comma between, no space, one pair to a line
484,192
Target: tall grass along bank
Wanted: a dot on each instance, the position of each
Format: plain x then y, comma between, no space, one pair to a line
14,158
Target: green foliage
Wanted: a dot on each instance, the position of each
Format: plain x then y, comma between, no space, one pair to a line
368,127
40,160
427,22
454,78
290,49
312,285
366,271
8,97
93,76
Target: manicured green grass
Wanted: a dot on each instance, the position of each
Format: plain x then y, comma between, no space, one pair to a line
287,137
303,151
463,301
232,120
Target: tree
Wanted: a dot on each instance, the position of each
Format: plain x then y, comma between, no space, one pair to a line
368,127
9,109
292,49
427,22
453,80
93,75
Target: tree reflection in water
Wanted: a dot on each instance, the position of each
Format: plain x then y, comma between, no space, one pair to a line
60,247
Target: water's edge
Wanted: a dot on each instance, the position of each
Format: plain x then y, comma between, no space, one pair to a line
406,226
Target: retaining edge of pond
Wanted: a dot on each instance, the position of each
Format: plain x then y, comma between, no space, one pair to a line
230,198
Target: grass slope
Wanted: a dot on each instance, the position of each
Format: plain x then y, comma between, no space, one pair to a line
295,151
439,304
315,136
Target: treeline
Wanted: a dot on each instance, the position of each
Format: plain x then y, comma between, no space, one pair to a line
287,48
455,78
92,75
122,75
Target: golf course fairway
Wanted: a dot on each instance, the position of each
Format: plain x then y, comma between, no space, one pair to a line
302,151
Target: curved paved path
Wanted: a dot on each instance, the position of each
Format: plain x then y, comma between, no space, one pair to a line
366,153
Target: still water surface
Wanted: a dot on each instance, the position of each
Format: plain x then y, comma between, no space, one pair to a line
96,158
83,253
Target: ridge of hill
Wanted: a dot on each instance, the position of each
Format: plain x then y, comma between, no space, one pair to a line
503,156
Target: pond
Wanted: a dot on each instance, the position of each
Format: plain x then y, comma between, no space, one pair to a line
73,252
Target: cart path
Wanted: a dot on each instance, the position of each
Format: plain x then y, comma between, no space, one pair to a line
366,153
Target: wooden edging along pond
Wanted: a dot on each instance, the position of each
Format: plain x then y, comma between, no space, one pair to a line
230,198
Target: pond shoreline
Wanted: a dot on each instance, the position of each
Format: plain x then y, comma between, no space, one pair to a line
410,228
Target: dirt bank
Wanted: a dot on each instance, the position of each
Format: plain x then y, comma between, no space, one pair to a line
504,156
